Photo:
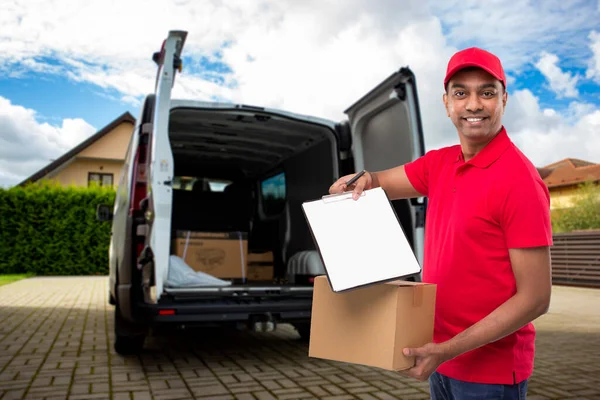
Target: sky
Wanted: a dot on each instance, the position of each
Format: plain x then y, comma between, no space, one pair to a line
67,69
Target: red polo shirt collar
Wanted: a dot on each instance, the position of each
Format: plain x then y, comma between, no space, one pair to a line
490,153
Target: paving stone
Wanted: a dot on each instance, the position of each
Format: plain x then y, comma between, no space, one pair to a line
172,394
122,396
384,396
264,396
245,396
53,333
210,390
13,394
141,395
87,396
245,388
404,392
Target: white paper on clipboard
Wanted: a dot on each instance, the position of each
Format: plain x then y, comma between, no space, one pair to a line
361,242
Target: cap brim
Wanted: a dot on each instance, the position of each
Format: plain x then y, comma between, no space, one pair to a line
457,68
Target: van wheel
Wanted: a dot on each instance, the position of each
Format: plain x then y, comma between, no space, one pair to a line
303,330
129,345
129,337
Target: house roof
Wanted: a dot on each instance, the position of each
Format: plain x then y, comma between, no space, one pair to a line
125,117
569,171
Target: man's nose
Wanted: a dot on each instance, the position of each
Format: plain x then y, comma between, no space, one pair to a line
474,103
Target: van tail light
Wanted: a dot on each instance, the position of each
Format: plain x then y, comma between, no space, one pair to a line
139,184
166,312
139,179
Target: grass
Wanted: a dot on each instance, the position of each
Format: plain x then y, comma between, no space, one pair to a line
10,278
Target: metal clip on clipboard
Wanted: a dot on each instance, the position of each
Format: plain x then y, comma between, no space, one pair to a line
330,198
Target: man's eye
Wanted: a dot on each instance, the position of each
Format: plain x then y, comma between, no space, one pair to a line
488,94
459,93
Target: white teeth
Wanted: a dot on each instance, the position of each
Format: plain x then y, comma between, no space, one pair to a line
474,119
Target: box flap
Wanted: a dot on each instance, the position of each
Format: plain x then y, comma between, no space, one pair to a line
408,283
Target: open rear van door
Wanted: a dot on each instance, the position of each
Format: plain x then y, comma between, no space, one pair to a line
386,131
161,169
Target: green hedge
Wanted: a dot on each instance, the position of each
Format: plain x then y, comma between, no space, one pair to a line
46,229
582,214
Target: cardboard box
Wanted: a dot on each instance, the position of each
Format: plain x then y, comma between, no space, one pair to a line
260,266
371,325
220,254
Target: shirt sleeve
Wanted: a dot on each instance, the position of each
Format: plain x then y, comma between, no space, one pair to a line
417,172
525,216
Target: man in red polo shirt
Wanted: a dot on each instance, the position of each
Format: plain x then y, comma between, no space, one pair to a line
487,239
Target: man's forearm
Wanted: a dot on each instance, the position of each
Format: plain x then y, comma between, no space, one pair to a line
506,319
395,182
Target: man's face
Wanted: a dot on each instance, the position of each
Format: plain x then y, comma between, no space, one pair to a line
475,102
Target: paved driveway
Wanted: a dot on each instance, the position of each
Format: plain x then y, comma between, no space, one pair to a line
56,343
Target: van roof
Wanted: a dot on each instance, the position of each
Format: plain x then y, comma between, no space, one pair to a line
223,105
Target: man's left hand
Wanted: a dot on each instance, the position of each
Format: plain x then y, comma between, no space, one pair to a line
427,359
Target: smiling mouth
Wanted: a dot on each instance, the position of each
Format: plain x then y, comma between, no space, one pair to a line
474,120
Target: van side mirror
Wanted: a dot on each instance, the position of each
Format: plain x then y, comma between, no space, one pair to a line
104,212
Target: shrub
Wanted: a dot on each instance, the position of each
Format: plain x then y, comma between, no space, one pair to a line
582,214
46,229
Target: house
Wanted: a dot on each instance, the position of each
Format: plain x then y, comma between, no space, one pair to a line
564,177
98,159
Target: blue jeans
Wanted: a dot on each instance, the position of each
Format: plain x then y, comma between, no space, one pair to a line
444,388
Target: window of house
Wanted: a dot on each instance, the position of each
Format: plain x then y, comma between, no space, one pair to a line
100,179
273,193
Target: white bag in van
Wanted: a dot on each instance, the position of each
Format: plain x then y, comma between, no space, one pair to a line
182,275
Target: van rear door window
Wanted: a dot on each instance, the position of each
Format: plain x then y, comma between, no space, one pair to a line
273,194
190,182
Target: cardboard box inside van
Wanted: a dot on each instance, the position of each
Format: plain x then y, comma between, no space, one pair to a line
260,266
371,325
220,254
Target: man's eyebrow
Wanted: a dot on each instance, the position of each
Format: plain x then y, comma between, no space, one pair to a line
487,86
483,86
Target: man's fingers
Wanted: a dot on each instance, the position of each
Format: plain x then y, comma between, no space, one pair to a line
412,352
338,187
358,188
413,372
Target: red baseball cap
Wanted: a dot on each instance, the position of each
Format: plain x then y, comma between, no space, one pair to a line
475,57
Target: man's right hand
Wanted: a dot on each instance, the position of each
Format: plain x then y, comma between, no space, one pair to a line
365,182
394,181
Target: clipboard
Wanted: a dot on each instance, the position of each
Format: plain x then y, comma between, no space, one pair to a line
361,242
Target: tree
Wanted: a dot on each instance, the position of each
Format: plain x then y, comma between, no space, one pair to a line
584,212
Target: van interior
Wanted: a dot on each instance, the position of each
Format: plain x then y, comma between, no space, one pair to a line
249,171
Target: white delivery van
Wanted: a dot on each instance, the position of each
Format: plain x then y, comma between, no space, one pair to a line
207,226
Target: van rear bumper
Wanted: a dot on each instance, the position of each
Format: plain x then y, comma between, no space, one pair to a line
219,310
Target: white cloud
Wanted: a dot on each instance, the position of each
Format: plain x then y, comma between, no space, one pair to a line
593,71
312,57
546,136
26,145
562,83
517,30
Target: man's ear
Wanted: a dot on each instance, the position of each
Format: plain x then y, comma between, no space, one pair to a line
445,100
504,100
